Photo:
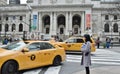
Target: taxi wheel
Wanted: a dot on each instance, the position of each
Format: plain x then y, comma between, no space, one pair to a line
9,67
57,61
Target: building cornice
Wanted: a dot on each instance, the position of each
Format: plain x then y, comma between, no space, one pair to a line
114,2
70,5
12,8
59,8
42,8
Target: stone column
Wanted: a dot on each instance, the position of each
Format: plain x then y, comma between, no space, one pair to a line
40,23
55,23
51,23
83,23
70,21
28,19
67,25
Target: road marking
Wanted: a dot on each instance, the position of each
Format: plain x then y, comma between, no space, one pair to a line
35,71
53,70
95,62
50,70
102,56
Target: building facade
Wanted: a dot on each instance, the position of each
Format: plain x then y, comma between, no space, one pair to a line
62,17
3,2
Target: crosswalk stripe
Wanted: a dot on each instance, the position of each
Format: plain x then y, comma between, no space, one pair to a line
53,70
95,58
95,62
50,70
33,71
105,57
112,58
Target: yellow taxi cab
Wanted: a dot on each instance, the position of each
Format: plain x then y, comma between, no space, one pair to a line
29,54
75,44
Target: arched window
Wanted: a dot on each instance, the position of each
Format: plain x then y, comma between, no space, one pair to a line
20,27
61,20
106,27
6,27
61,23
115,27
46,21
13,27
76,20
0,27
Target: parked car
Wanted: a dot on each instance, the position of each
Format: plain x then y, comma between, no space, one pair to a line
29,54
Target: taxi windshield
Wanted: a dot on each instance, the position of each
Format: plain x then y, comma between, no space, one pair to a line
14,46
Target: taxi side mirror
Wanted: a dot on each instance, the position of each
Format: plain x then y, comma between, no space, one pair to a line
66,42
25,50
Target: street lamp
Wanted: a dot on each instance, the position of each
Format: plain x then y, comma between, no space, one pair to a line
30,11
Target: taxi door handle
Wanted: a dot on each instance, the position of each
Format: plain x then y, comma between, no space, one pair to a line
46,53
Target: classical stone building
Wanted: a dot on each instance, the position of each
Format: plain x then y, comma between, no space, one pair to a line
3,2
62,18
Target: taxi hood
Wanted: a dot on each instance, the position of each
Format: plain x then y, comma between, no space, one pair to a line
4,52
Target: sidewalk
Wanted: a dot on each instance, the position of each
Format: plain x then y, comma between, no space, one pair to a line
102,70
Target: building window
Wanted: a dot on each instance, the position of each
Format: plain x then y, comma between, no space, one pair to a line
61,30
106,27
75,30
0,27
115,27
14,17
106,17
47,30
0,18
20,27
6,18
46,20
76,20
13,27
115,17
61,20
6,27
21,18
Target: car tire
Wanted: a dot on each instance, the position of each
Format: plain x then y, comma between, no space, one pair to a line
10,67
57,61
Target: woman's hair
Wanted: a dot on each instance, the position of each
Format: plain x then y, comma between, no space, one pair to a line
87,38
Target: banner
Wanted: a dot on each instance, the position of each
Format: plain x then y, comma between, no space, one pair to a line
88,19
34,25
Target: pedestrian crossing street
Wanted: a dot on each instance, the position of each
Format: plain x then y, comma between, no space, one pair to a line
101,56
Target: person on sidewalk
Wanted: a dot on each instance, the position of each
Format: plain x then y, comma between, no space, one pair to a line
98,42
108,42
86,53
